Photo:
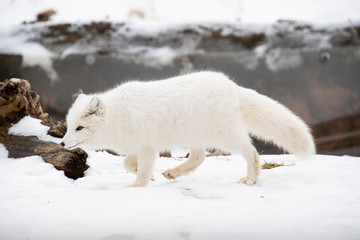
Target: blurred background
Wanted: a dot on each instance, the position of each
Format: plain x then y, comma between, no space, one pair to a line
305,54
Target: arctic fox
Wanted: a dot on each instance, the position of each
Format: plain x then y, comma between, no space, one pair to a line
198,110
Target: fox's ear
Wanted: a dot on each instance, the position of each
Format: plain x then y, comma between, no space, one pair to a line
77,94
96,107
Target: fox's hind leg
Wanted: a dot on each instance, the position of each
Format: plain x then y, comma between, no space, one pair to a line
238,141
253,165
197,156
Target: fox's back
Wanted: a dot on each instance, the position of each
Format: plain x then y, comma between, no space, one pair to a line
194,104
185,92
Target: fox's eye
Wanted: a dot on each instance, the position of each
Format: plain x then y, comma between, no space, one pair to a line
79,128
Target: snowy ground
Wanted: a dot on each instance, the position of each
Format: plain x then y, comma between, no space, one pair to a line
317,199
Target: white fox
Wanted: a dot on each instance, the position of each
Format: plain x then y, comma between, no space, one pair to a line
196,111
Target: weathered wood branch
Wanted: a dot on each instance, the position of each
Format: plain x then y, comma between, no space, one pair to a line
18,100
72,162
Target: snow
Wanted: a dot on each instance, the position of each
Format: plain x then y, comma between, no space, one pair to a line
318,198
278,59
249,11
34,54
29,126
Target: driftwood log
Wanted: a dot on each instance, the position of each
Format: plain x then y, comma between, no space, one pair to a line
18,100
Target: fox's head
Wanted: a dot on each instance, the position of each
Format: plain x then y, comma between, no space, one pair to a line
84,122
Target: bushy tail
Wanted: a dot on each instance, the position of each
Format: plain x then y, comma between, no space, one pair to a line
271,121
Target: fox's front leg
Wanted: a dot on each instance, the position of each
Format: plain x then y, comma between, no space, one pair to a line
146,158
131,163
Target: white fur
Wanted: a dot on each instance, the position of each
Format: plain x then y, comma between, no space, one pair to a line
197,110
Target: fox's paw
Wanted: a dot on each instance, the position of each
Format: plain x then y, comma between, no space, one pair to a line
247,181
170,174
136,185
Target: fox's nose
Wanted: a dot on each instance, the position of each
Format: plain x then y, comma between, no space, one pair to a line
62,144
